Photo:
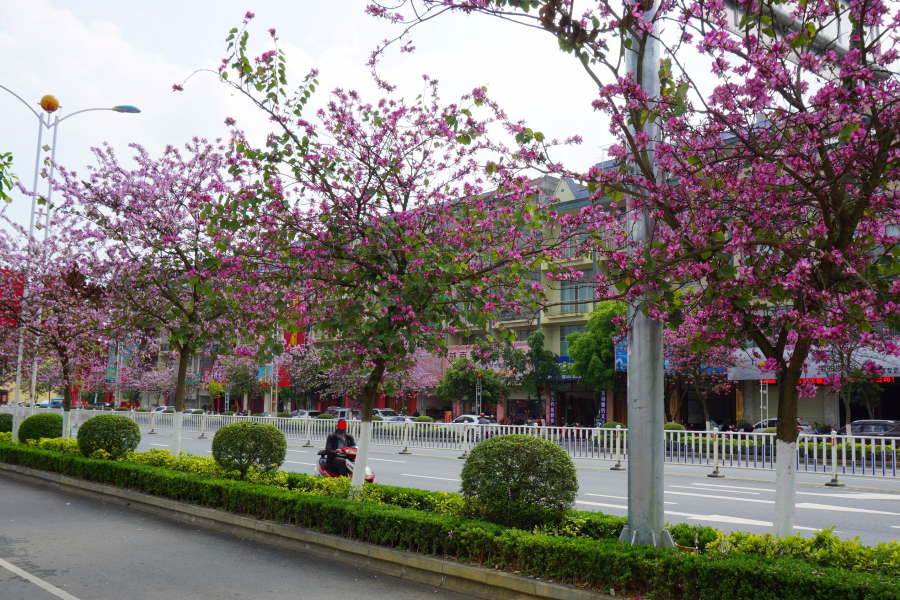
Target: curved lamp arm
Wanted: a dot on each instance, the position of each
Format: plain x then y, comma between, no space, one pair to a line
23,102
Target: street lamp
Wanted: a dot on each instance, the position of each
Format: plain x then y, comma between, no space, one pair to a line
49,104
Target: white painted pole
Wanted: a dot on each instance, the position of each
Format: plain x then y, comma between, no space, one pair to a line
405,438
617,442
834,477
716,472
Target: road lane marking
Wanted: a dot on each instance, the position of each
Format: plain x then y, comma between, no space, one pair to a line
163,445
687,487
300,463
427,477
732,520
601,504
721,497
846,509
618,497
387,460
36,581
895,526
300,451
734,487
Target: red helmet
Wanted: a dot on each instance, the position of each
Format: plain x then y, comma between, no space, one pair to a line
342,425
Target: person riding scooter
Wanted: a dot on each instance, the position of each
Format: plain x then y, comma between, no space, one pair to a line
334,446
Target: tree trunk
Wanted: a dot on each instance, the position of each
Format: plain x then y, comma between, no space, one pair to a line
365,428
786,442
705,412
67,407
845,396
184,355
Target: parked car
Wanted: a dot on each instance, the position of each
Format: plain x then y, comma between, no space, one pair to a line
348,414
162,408
52,403
802,424
475,419
385,413
399,419
305,414
873,428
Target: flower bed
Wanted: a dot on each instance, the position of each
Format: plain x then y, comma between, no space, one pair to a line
420,521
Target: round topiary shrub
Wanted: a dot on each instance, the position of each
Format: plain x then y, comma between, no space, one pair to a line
766,430
169,410
424,419
228,413
284,415
239,446
612,425
45,425
377,418
120,409
113,434
674,427
325,416
141,410
6,423
520,480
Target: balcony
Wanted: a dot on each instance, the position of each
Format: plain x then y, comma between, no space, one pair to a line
581,309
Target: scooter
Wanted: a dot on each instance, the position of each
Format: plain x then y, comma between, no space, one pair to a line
348,452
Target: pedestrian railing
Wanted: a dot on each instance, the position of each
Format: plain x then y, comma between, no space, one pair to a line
827,454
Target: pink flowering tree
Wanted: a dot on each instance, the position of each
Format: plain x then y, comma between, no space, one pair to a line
170,270
850,360
69,308
376,218
699,361
241,370
766,163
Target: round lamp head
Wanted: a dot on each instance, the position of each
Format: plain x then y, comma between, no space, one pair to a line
342,425
49,103
125,108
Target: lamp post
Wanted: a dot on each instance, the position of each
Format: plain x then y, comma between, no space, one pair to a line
49,104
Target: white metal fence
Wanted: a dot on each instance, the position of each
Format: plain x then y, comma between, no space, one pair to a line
839,455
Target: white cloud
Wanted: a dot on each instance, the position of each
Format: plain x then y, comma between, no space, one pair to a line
95,54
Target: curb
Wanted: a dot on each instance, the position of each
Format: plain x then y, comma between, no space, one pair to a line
428,570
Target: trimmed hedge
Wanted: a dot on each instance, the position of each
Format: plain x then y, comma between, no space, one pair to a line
325,416
423,419
520,480
612,425
239,446
112,434
44,425
6,423
673,427
597,564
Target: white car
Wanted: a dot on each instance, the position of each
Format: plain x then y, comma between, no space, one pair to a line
305,414
475,419
385,413
802,424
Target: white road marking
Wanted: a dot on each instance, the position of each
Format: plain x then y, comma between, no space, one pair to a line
873,496
721,497
846,509
619,497
388,460
895,526
300,451
300,463
163,445
36,581
734,487
427,477
687,487
601,504
733,520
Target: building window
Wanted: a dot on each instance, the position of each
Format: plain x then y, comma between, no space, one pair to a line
565,331
523,334
571,291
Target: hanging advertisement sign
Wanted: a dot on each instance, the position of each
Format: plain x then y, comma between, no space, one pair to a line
601,417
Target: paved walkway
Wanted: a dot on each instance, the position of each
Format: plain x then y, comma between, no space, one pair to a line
57,545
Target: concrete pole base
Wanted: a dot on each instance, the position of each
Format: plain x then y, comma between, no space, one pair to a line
404,451
661,539
717,474
618,467
307,445
202,436
834,483
464,456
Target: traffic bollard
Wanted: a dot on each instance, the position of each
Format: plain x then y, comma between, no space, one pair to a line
834,477
716,472
202,427
308,433
465,443
618,442
405,439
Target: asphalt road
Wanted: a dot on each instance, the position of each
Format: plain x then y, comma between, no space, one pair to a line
868,507
55,545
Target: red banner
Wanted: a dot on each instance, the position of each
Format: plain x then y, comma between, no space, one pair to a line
293,339
12,286
284,376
